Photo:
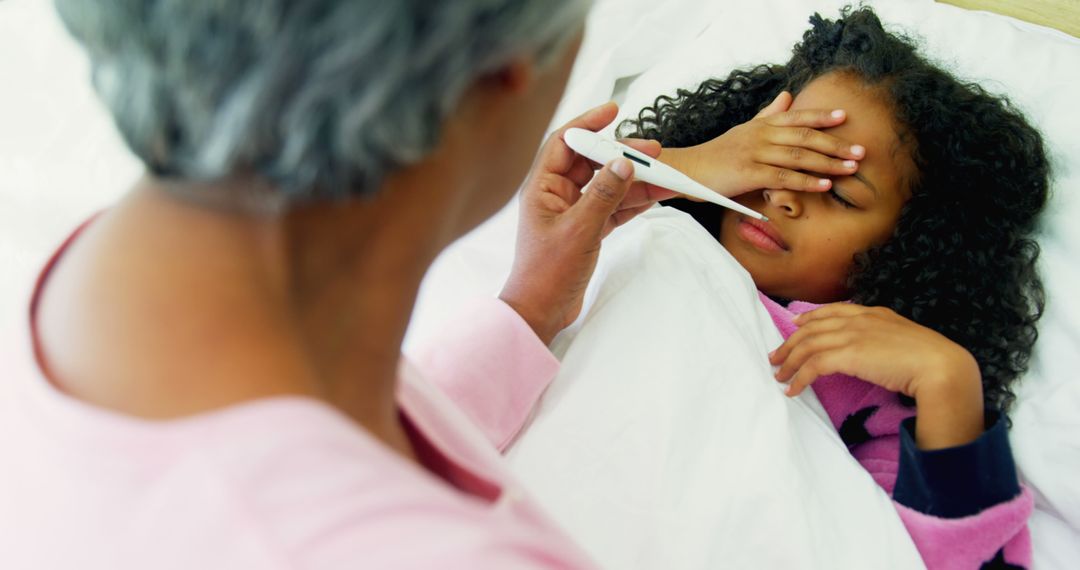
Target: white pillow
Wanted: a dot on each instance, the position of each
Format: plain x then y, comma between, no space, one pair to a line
664,441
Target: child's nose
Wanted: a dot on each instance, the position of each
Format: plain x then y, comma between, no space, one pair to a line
787,201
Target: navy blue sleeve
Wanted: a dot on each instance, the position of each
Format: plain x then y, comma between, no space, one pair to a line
957,481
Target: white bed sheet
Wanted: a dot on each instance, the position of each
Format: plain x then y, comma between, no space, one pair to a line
635,50
673,447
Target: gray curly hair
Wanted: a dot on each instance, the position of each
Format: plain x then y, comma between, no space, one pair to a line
321,97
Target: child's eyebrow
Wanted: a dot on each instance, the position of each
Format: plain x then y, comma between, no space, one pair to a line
859,176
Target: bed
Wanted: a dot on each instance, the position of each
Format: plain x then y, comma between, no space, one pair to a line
1037,66
50,180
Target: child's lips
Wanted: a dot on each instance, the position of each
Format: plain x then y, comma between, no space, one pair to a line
761,235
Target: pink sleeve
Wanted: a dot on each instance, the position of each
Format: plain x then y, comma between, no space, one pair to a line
492,365
997,537
870,421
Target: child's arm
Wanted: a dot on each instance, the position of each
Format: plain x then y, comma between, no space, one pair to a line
964,506
954,484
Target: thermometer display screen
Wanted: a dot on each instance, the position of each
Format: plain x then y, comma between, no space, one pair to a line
636,159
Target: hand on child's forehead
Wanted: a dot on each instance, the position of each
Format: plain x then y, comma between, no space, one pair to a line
870,122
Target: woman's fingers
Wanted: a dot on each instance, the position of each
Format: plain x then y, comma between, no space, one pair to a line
556,192
799,158
625,215
603,197
582,169
641,193
555,156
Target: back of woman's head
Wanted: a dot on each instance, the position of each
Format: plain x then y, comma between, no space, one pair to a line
320,97
961,259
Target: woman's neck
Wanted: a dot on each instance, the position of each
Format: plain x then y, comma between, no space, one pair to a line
166,308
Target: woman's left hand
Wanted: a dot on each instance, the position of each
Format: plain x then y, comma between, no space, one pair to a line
883,348
560,228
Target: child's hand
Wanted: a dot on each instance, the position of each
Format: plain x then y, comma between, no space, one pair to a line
883,348
772,150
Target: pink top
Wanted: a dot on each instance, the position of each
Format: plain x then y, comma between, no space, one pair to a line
282,482
963,506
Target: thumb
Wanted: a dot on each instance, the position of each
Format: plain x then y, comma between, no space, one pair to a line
779,105
604,194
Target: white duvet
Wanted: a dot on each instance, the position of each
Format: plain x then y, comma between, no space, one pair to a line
664,442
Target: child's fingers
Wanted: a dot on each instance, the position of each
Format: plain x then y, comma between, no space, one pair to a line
779,105
784,178
799,158
813,118
821,364
648,146
813,139
809,347
780,355
837,310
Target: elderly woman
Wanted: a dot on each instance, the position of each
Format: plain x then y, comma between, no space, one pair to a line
211,376
215,378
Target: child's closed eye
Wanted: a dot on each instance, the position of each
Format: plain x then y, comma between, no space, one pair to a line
840,199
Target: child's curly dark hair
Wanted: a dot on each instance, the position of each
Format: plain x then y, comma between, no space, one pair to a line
961,259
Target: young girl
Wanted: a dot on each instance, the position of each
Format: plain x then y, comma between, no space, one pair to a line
924,226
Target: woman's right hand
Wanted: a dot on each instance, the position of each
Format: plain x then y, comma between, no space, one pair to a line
560,228
775,149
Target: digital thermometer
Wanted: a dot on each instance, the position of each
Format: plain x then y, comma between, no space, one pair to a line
602,149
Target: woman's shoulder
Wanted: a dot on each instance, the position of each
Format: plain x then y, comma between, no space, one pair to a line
271,481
